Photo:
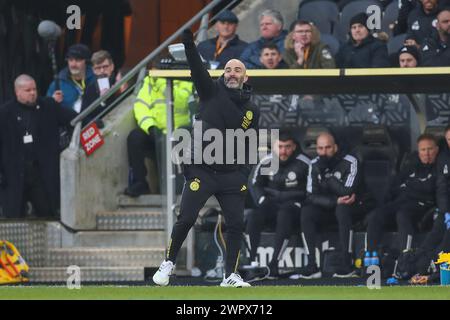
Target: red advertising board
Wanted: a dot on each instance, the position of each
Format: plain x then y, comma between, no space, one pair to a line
91,138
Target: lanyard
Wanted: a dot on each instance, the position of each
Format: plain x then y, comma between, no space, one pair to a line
305,59
82,86
219,48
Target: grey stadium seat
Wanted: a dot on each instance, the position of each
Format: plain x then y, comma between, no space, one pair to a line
389,17
324,14
394,44
332,42
349,11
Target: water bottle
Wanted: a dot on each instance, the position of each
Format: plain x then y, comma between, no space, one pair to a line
367,259
375,259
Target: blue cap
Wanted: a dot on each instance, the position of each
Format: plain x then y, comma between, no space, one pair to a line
227,16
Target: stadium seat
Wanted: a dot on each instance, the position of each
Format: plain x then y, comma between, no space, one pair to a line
324,14
308,143
349,11
331,41
389,17
379,157
394,44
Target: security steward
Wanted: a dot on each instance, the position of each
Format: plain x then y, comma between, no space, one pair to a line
334,193
279,197
224,104
413,194
29,151
151,118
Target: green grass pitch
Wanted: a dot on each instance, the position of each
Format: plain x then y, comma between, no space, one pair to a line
217,293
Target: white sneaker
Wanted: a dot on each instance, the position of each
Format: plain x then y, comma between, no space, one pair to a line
161,277
234,280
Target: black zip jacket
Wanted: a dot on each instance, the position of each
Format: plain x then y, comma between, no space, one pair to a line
328,180
370,53
286,185
420,24
416,181
443,180
221,108
435,53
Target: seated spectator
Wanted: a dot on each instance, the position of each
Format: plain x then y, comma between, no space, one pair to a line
412,194
29,151
405,8
334,192
303,49
436,48
408,57
73,79
363,50
421,22
279,197
226,46
103,66
150,114
271,30
271,57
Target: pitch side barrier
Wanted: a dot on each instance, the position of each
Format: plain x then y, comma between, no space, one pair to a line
382,85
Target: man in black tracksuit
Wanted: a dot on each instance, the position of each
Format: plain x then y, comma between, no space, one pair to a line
278,196
224,104
421,22
334,192
434,241
414,193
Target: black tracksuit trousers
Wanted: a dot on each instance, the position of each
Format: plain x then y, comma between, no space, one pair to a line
230,190
406,212
313,216
286,218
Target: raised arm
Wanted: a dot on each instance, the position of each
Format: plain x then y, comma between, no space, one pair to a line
200,76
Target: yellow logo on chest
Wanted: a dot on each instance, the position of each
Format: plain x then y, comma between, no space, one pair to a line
246,122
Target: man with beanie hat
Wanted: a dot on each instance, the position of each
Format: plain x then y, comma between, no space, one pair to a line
74,78
408,57
227,45
362,50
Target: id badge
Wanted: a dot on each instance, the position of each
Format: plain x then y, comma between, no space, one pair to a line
27,139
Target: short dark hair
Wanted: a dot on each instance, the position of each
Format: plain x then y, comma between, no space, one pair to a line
446,8
299,23
271,46
427,136
286,135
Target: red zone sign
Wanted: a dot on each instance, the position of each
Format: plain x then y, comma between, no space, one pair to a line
91,139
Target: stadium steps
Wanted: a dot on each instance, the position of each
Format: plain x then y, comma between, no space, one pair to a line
88,274
108,239
105,257
137,219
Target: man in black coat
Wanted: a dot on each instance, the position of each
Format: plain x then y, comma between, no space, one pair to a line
29,151
362,50
436,48
224,106
413,193
227,45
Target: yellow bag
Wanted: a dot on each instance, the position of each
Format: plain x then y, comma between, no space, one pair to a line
13,268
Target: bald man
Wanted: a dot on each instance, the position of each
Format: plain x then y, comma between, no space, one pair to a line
224,105
333,194
29,151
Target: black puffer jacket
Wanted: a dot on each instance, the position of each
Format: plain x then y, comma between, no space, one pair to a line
370,53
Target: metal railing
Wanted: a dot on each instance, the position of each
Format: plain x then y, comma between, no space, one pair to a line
141,67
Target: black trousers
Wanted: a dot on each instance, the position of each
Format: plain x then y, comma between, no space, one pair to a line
34,192
230,190
434,240
313,216
284,217
405,212
140,146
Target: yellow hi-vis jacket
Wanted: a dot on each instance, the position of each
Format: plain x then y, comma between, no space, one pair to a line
150,104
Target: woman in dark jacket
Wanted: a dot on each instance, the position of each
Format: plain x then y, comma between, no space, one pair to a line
363,50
